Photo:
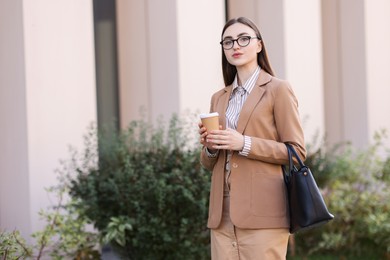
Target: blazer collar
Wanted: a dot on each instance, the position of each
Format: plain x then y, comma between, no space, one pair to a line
250,103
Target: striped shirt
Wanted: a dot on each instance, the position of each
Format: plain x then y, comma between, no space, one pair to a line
236,102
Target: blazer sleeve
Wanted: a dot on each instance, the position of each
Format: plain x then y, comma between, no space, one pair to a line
288,127
206,161
287,119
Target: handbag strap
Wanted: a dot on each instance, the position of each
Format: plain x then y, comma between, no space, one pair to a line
292,152
290,160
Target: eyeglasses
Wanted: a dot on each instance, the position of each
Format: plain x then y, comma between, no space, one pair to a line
242,41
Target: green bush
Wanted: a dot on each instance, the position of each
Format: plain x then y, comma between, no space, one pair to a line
356,187
13,246
147,194
64,235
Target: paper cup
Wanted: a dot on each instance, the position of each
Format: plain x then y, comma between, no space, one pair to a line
210,121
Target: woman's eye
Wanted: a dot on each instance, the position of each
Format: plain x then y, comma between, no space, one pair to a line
227,42
244,39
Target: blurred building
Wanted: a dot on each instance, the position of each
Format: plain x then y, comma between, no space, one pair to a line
65,64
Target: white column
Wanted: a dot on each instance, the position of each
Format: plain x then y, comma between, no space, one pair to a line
148,59
303,47
14,176
333,99
54,75
347,59
377,37
169,56
354,74
163,58
133,59
199,27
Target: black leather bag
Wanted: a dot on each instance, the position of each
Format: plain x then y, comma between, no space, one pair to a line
306,205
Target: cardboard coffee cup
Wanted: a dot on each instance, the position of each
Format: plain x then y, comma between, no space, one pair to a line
210,121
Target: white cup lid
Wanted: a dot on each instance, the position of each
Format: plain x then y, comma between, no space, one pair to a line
206,115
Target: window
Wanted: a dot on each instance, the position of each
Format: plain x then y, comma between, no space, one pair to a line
106,63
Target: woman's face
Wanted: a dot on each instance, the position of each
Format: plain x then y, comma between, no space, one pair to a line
242,56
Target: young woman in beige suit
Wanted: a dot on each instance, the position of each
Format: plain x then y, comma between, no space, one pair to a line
248,214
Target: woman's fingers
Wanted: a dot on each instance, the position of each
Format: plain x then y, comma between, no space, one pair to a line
225,139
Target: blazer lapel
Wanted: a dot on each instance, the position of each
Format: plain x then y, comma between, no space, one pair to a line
252,100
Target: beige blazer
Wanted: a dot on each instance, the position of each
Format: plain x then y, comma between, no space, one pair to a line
257,193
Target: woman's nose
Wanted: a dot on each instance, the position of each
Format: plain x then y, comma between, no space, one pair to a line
235,45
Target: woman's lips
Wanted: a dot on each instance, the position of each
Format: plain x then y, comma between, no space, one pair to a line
236,55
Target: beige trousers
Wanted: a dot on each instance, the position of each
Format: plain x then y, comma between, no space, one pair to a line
231,243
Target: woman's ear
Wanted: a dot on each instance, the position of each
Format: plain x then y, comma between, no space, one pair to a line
259,46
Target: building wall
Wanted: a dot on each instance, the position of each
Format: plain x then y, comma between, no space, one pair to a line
199,27
303,47
377,37
133,58
354,86
331,31
355,60
169,56
47,98
14,174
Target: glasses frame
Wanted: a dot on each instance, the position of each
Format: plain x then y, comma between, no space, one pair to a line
237,39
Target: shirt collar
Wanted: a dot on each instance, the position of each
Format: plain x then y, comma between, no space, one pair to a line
250,83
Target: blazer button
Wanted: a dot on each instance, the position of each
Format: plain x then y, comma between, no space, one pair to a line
235,165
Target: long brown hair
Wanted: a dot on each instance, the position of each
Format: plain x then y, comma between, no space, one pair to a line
229,71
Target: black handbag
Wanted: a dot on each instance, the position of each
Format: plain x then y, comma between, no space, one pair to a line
306,206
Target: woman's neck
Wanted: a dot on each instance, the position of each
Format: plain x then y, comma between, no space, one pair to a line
244,73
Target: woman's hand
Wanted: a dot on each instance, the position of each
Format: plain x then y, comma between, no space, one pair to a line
203,140
228,139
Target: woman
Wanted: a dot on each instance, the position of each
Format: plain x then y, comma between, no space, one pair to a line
248,214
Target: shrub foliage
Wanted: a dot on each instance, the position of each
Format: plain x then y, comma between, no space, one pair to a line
356,187
147,194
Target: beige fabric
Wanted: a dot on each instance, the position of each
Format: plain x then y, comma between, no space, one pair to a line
231,243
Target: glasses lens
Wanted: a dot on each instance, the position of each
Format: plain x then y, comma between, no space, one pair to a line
243,41
227,44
